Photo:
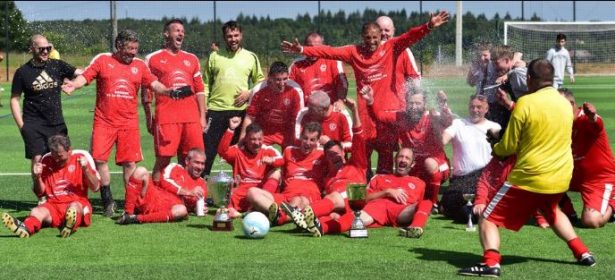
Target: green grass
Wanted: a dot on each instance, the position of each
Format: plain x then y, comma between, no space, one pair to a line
189,249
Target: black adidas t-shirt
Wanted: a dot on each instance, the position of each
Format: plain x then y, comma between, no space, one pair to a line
41,88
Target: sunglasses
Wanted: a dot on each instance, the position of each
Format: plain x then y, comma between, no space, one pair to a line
41,49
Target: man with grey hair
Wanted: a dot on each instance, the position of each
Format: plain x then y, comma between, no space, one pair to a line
39,80
118,77
335,125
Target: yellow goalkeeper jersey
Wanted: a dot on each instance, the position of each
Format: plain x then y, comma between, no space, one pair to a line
540,134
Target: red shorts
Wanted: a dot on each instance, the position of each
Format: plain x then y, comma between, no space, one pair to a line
419,169
128,143
295,188
57,211
161,201
511,207
173,138
492,178
239,197
597,196
384,211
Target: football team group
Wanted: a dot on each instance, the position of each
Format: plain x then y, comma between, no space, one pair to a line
523,145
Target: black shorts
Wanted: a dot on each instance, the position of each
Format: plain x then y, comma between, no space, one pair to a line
35,137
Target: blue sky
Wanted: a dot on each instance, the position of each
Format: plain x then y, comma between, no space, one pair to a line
226,10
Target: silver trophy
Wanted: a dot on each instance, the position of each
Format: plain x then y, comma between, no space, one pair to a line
357,194
469,197
221,185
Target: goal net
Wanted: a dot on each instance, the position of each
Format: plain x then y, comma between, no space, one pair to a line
590,44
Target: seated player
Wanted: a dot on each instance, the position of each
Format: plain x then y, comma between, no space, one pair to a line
392,200
303,169
186,181
341,172
275,105
421,130
64,175
254,164
335,125
594,167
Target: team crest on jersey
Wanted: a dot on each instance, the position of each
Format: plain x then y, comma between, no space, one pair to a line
286,102
187,63
332,126
323,68
71,168
411,186
134,70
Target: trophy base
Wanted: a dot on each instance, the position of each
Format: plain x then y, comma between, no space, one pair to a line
357,233
222,226
471,229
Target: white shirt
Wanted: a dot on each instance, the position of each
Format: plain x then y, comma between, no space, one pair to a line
471,151
560,59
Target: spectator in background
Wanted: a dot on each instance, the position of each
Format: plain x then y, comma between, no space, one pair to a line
482,73
560,58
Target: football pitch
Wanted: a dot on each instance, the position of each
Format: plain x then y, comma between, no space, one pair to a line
189,249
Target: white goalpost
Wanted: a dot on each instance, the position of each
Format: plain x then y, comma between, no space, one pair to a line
591,44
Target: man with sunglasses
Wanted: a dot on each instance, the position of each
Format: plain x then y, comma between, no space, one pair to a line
39,80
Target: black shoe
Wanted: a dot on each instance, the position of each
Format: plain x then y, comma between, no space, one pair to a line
15,226
70,219
127,219
481,269
587,259
435,210
109,209
274,214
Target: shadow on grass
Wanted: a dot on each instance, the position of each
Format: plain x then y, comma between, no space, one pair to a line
463,259
18,206
209,227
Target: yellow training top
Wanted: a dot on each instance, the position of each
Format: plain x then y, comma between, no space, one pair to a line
540,134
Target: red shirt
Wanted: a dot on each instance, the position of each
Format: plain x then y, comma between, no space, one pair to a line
299,166
63,184
593,157
248,166
175,177
376,69
354,171
117,86
322,74
336,126
412,186
175,71
276,112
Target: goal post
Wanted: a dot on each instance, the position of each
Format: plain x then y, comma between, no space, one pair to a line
590,44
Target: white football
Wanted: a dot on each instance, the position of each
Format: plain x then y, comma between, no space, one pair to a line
255,225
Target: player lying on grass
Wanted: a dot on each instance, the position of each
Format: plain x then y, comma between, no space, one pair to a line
177,194
392,200
64,175
254,164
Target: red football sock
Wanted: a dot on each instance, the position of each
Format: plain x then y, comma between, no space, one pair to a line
566,205
492,257
32,224
346,221
433,188
330,225
271,185
133,192
577,247
322,207
423,209
156,217
283,218
78,221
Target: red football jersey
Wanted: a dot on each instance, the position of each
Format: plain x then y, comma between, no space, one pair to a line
248,166
375,69
593,157
412,186
175,177
322,74
117,87
336,126
354,171
175,71
63,184
276,112
299,166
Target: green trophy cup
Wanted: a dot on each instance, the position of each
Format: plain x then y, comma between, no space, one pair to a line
220,185
357,194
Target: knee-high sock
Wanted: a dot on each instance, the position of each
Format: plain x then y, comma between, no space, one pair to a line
433,187
33,225
577,247
156,217
423,209
491,257
330,225
322,207
133,192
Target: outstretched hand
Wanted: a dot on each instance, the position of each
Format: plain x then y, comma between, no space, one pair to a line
367,93
294,47
438,19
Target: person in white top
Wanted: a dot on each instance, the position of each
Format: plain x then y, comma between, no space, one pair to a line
471,152
560,59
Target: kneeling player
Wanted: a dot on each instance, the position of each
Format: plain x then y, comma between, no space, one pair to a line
64,176
393,200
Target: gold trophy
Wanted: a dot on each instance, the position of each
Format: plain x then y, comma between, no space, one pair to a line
357,194
221,189
469,197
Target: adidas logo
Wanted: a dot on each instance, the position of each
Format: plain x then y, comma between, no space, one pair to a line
43,81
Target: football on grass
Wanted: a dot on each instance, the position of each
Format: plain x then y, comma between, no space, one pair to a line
255,225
